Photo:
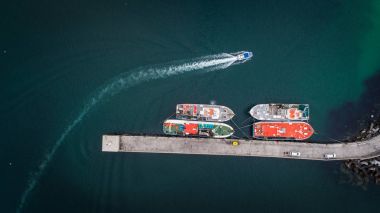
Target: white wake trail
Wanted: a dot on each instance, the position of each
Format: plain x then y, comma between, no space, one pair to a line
125,81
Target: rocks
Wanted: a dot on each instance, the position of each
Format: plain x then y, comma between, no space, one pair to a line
372,130
364,171
375,162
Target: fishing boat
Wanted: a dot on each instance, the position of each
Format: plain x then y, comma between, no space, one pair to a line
280,112
204,112
197,128
296,130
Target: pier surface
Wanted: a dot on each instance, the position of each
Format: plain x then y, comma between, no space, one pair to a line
260,148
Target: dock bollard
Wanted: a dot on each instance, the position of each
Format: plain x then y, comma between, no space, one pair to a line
235,143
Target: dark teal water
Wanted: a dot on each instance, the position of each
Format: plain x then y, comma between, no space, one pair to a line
56,57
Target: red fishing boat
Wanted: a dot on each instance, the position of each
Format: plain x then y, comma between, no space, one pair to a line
282,130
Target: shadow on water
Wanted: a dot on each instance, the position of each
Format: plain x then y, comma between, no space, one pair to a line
348,119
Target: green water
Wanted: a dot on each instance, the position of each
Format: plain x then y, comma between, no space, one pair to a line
56,57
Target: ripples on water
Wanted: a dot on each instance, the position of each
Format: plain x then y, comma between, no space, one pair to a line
122,82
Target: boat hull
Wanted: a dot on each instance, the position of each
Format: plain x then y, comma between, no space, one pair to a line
204,112
242,56
280,112
282,130
197,129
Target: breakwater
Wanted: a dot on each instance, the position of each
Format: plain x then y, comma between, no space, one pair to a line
365,149
363,171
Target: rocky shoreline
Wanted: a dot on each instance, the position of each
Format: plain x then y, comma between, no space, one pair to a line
362,172
372,130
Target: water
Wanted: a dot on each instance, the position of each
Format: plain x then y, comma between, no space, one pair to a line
124,81
73,71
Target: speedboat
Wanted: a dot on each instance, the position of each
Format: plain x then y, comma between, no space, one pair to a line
242,56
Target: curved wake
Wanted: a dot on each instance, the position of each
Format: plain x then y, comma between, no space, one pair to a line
124,81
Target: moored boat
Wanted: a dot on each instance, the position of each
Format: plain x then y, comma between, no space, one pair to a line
197,128
204,112
297,130
280,112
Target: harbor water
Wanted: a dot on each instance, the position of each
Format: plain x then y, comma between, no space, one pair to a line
73,70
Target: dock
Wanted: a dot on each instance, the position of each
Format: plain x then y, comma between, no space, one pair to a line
242,147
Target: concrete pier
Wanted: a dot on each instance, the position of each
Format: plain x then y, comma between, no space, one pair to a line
258,148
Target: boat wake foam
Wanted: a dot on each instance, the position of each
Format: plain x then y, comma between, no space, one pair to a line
122,82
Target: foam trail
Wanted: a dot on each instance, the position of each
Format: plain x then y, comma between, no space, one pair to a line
124,81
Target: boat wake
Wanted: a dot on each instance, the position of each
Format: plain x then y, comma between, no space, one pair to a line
122,82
